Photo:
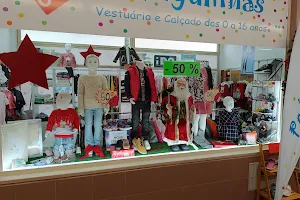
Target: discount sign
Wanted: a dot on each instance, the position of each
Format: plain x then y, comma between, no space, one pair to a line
181,68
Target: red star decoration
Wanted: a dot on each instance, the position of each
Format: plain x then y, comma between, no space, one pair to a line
89,52
27,65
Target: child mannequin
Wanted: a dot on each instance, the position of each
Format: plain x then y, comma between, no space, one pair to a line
63,123
89,107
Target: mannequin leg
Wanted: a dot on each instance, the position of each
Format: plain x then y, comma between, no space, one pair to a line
135,110
202,122
196,125
200,138
88,119
98,135
145,120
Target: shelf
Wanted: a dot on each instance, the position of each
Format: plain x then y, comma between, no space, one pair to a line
265,100
262,113
293,196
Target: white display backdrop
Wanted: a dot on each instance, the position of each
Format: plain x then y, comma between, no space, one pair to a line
290,138
257,22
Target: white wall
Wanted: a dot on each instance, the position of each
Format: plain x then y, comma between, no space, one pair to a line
8,40
231,55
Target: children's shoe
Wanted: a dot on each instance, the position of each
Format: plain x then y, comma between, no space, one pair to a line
119,145
147,145
139,144
91,154
126,144
175,148
184,147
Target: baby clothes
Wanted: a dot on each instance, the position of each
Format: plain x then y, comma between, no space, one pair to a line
11,99
62,123
67,60
228,125
3,103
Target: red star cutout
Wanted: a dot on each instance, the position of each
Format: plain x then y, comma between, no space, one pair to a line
27,65
89,52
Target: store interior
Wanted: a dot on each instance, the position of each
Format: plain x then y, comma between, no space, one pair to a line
236,101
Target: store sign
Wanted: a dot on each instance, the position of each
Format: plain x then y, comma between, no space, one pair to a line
182,69
160,59
242,22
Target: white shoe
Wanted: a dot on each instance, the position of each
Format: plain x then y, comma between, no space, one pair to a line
147,145
91,154
78,150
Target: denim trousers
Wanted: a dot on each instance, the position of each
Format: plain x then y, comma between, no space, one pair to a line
136,111
93,116
67,143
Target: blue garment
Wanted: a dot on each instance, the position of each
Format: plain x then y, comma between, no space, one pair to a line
68,145
93,116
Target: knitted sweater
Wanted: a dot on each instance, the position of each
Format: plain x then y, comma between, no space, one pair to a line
88,88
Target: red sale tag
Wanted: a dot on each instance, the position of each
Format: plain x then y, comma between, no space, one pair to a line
103,96
48,6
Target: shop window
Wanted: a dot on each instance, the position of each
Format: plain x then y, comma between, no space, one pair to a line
58,37
175,45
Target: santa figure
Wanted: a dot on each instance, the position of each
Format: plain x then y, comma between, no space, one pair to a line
179,112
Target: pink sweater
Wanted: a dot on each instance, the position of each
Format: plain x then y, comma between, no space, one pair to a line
67,60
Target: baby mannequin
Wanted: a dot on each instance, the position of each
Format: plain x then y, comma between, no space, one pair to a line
67,59
88,106
228,102
64,124
141,90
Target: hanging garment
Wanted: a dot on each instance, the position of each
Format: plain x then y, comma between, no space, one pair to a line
11,99
3,103
20,101
6,71
123,58
67,60
198,86
228,123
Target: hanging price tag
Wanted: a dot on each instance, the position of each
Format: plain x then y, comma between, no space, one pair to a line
211,94
181,68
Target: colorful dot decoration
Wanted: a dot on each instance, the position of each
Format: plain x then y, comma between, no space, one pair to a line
44,22
111,21
149,23
73,8
274,41
254,17
125,30
17,3
223,38
263,36
280,35
100,24
294,153
124,9
156,3
283,188
294,98
241,13
208,11
258,16
224,12
187,36
21,15
236,30
9,23
5,9
217,30
275,10
201,35
131,1
263,20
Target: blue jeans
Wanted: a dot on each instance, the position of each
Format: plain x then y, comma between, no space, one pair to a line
93,116
67,143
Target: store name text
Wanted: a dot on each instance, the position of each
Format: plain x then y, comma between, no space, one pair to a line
245,5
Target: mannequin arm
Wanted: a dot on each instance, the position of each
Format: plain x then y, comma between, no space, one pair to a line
117,57
127,86
80,97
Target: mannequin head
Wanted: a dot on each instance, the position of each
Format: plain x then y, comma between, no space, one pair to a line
63,100
140,65
181,89
228,102
68,47
92,62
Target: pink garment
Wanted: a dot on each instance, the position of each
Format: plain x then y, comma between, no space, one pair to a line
67,60
204,107
157,131
3,103
11,99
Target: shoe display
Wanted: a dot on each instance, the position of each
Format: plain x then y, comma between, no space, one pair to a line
91,154
147,145
78,150
139,145
98,151
184,147
126,144
175,148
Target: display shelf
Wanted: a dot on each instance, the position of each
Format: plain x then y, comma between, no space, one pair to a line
265,100
260,113
293,196
262,172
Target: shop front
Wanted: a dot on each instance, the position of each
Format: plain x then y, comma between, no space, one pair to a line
138,99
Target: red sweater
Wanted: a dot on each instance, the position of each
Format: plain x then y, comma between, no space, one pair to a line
62,122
